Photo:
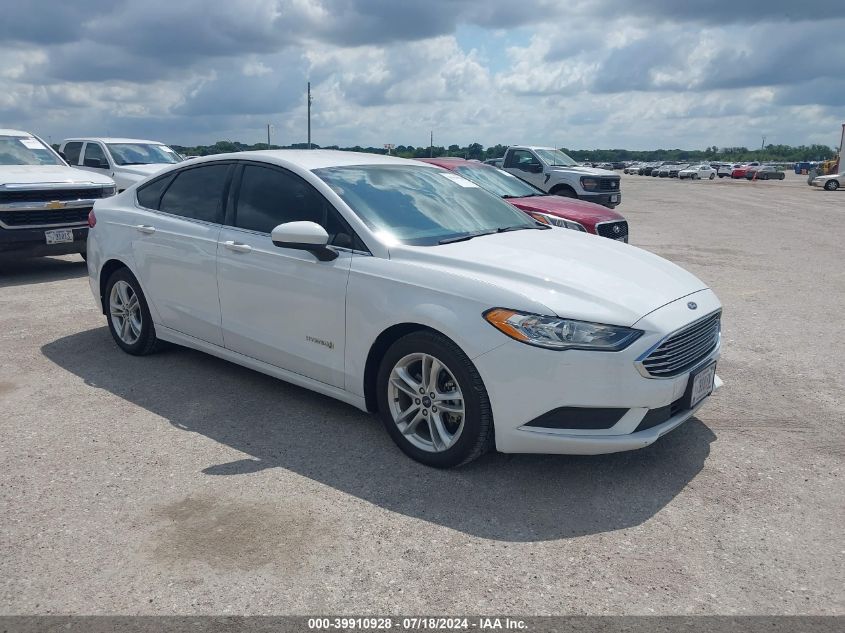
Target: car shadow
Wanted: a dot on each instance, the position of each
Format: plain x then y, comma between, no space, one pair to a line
504,497
36,270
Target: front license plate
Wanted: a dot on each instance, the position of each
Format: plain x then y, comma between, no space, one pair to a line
614,198
58,236
702,384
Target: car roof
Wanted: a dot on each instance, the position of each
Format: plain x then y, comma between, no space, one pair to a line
107,139
310,159
14,133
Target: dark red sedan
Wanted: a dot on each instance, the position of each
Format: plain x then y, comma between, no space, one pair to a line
570,213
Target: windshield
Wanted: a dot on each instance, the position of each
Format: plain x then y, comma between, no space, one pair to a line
142,154
26,150
419,205
554,157
498,182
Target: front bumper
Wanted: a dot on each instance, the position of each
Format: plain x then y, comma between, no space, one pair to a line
32,242
525,383
609,200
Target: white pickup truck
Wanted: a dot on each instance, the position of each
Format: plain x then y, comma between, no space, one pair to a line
44,204
556,173
126,160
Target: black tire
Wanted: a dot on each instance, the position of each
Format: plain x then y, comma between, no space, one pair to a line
477,436
782,176
831,185
147,342
712,176
565,192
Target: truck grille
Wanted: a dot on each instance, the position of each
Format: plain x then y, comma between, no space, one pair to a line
613,230
686,348
609,184
48,195
44,218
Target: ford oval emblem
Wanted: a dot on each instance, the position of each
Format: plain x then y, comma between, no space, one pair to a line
692,305
616,228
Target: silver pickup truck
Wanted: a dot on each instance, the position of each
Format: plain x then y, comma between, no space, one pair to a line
44,203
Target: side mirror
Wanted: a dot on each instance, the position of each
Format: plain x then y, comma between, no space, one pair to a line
304,236
96,163
62,154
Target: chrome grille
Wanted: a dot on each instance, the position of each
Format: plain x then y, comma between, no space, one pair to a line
684,349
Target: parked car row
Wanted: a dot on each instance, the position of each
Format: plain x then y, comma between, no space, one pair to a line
53,201
708,171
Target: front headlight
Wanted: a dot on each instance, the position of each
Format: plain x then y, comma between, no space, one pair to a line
554,220
589,184
109,190
559,334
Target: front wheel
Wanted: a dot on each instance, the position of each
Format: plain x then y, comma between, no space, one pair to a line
128,315
565,192
712,176
831,185
433,402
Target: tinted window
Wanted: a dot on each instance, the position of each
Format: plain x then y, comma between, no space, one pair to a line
94,155
72,151
269,197
149,195
197,193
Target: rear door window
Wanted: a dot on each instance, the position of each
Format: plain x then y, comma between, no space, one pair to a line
197,193
72,151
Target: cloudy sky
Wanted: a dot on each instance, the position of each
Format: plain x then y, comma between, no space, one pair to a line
639,74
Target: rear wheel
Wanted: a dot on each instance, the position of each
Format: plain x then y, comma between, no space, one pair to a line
831,185
128,315
712,176
432,401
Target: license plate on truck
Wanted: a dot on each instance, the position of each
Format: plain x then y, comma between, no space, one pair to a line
702,384
57,236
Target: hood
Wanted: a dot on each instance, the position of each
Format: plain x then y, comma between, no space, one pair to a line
588,171
142,170
36,174
586,213
573,274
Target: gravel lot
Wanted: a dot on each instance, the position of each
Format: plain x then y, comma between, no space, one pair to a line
178,483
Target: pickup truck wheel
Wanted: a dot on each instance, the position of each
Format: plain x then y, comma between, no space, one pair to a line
128,315
831,185
566,192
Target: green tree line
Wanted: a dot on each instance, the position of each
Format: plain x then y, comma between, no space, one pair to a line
772,153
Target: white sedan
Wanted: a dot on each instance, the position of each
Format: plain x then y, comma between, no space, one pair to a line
831,182
698,172
404,289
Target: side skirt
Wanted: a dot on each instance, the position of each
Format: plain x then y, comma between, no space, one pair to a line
172,336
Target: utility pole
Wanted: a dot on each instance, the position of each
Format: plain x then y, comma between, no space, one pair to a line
268,136
763,146
309,115
431,146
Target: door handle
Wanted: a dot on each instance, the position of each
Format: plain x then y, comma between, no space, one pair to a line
144,228
237,247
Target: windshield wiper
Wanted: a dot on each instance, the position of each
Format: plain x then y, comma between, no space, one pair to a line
135,164
466,236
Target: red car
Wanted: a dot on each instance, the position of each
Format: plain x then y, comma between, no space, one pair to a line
741,170
570,213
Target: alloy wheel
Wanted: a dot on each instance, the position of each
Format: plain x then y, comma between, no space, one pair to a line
125,311
426,402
